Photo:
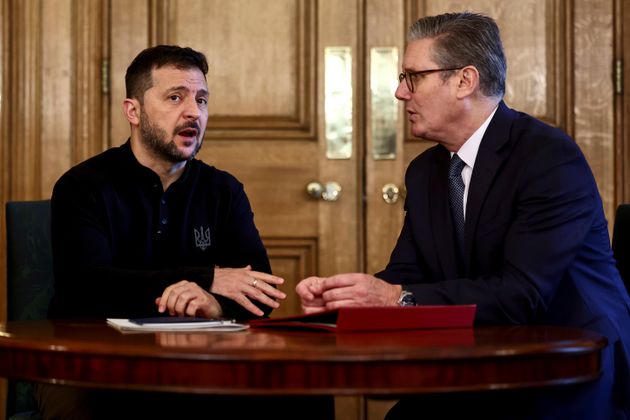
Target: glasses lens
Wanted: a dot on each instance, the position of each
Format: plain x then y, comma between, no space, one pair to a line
408,81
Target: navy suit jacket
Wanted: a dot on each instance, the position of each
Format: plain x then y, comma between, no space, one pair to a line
536,244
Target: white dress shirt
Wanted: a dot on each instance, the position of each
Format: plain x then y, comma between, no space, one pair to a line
468,153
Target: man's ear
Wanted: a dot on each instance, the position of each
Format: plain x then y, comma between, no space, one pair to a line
468,81
131,109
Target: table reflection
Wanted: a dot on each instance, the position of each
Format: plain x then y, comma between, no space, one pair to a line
236,340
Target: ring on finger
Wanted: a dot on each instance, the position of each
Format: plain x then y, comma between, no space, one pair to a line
255,282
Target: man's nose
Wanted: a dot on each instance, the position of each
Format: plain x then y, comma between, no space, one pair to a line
191,110
402,92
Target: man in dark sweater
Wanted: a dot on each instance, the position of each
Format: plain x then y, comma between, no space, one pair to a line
145,229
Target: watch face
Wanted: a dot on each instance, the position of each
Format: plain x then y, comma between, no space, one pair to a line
407,298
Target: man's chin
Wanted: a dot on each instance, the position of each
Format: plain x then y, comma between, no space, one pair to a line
188,151
418,132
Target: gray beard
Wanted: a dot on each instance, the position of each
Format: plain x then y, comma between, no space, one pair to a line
155,139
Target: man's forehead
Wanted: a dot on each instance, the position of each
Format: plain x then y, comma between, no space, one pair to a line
171,77
418,54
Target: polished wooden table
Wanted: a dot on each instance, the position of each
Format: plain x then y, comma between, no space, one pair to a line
266,361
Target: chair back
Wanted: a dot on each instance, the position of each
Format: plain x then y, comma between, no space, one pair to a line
29,282
621,242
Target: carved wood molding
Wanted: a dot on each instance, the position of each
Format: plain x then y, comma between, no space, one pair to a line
299,125
159,14
558,50
302,252
293,259
4,161
622,106
4,100
88,107
24,99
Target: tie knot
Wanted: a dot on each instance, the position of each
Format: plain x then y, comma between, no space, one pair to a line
456,166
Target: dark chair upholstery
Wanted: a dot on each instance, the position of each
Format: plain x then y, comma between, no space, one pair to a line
621,242
29,283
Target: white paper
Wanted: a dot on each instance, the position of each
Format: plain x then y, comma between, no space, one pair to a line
124,325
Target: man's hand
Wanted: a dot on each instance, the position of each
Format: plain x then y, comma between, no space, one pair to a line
310,292
186,298
242,285
350,289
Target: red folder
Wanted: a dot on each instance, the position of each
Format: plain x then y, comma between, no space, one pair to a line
378,318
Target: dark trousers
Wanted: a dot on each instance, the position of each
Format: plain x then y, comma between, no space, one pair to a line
69,403
596,400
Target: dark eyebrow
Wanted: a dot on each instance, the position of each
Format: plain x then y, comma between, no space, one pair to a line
200,92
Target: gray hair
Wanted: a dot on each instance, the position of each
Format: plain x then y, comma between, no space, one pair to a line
466,39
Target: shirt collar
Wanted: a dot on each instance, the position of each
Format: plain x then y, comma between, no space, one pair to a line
143,175
470,148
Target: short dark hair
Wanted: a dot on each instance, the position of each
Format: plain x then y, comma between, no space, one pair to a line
466,39
138,77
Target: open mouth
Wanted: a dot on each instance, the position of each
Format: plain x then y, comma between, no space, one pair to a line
188,132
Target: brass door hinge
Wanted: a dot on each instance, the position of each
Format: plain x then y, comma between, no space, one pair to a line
105,76
619,77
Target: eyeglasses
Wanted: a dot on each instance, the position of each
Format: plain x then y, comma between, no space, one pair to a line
408,76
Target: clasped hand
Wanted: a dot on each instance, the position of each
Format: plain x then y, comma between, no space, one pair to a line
349,289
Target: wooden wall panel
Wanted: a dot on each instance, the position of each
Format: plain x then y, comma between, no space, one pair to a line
594,97
537,81
57,76
261,79
133,17
4,82
383,221
51,55
341,238
55,92
274,174
25,96
89,131
622,126
291,259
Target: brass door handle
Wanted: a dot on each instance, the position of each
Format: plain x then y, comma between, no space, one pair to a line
391,192
327,192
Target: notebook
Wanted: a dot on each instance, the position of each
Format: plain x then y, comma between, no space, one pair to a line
377,318
168,323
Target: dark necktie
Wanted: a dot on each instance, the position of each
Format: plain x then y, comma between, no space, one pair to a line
456,197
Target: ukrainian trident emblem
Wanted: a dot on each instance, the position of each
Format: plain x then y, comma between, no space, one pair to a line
202,238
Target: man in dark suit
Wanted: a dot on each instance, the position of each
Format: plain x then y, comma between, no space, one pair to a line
503,213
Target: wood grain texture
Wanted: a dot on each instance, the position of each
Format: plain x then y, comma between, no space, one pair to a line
341,240
383,221
262,64
4,174
594,98
58,101
265,362
293,259
88,122
129,34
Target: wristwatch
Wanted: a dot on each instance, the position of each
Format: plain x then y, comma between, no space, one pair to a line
407,298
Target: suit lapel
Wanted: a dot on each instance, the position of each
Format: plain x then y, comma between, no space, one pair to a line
441,215
491,155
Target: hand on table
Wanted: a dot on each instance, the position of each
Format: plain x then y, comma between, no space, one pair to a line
243,285
187,298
